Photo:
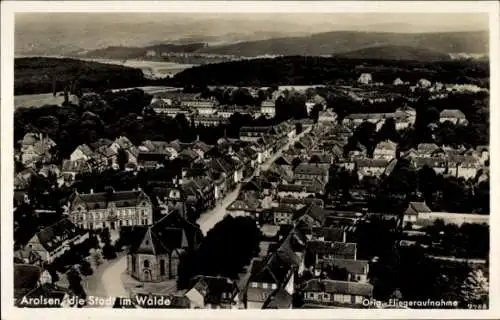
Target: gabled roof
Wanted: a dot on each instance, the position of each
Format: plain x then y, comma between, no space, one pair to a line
352,266
371,163
215,289
427,147
345,249
77,166
311,169
54,235
280,299
313,211
339,287
419,207
387,145
119,198
85,149
452,113
168,234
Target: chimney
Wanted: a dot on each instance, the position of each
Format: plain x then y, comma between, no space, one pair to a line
54,92
91,191
40,136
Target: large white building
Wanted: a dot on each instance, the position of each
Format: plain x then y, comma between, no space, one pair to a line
111,209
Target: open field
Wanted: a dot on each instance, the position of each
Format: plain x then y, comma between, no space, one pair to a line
37,100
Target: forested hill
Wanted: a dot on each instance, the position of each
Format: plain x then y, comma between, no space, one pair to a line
336,42
35,75
298,70
395,53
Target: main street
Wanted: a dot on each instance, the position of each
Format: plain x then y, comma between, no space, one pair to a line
107,279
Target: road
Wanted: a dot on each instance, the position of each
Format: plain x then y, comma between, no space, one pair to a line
110,280
210,218
267,164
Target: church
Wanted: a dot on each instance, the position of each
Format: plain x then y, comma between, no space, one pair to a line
155,253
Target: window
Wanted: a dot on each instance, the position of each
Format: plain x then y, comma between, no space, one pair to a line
264,285
146,263
254,285
162,267
347,298
338,298
359,299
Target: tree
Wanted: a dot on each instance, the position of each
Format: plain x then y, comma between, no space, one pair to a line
75,284
225,251
475,288
122,158
109,251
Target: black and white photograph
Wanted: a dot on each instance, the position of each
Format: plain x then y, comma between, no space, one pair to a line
247,160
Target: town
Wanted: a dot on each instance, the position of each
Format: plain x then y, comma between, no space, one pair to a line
244,197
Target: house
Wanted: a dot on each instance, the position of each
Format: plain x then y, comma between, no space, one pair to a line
439,165
298,191
332,234
111,209
312,215
327,117
299,203
453,115
53,241
283,215
83,152
200,106
268,108
209,120
365,78
72,168
209,292
154,256
246,206
253,134
266,277
424,83
414,210
151,160
356,270
427,149
125,144
328,250
466,167
22,179
355,119
336,293
398,82
31,283
370,167
280,299
36,148
311,172
385,150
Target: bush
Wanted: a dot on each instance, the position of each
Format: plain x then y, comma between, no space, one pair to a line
86,269
109,252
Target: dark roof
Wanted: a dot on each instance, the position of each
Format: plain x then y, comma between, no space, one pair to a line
304,201
344,249
216,289
340,287
313,211
311,169
329,233
352,266
419,207
26,277
54,235
151,157
168,234
119,198
280,299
